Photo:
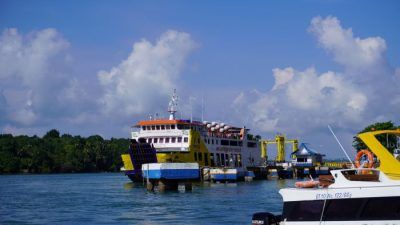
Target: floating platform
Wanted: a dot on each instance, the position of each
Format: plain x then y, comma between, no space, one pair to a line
167,176
227,174
171,171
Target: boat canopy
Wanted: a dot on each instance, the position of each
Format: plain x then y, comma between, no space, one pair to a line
388,163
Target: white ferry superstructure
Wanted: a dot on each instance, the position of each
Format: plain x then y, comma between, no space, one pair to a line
207,143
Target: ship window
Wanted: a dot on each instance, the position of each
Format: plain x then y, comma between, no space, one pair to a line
155,140
162,127
212,159
144,128
233,143
161,140
206,159
226,160
167,140
240,160
173,140
200,156
157,127
185,139
224,142
218,160
251,144
179,139
303,210
153,127
173,127
212,141
240,143
149,140
223,159
217,142
179,126
195,156
236,160
168,127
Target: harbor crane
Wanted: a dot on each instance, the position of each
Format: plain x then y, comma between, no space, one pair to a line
280,142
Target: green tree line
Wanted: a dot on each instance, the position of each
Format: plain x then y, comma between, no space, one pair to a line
60,154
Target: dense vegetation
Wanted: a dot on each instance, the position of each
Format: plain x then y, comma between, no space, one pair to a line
58,154
389,141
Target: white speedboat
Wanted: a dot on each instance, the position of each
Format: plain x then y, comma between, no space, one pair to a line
354,196
349,196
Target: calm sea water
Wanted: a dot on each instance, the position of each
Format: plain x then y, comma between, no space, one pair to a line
110,198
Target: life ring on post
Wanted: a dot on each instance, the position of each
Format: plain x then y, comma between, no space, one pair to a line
370,156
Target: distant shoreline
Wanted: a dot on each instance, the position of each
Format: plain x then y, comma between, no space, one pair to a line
54,153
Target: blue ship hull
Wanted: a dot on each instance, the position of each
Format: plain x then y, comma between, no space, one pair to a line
171,174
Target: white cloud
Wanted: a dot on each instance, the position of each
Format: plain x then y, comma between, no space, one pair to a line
34,78
306,101
347,50
147,76
282,77
29,58
38,91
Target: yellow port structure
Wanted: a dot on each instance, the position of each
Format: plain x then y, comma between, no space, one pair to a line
280,141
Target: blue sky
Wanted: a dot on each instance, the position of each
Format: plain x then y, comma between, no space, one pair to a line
222,51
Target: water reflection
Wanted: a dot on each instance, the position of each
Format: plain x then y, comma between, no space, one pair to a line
281,183
131,185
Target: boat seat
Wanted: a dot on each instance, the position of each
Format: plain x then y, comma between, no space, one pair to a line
362,177
325,180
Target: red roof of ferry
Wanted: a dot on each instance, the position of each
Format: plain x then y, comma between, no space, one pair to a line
161,122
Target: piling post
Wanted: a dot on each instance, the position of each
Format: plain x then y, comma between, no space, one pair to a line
167,185
188,186
149,185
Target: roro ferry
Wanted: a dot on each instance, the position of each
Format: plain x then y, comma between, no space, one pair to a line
210,144
358,196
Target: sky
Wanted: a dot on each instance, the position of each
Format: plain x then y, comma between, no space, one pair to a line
291,67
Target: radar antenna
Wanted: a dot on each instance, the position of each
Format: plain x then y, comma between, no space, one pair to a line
173,105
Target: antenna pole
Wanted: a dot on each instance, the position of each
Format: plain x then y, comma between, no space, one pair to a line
202,109
341,147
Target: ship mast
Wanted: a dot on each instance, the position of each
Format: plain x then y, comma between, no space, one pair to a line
173,105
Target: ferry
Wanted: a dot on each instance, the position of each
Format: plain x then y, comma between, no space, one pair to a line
210,144
348,196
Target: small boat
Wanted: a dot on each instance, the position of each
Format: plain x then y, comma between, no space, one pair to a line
355,196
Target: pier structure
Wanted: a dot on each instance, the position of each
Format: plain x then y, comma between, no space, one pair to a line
304,161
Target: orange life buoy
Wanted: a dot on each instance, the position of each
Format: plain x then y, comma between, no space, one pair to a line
370,156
